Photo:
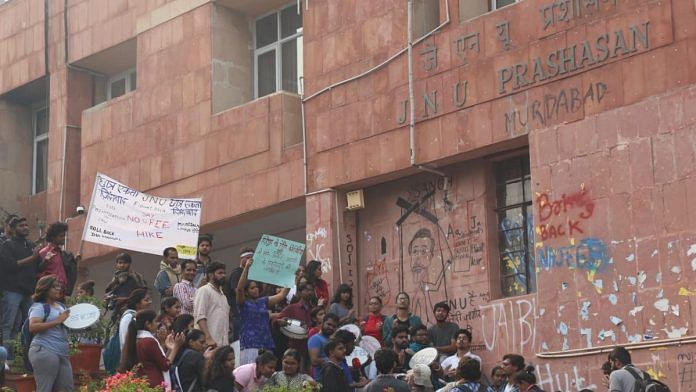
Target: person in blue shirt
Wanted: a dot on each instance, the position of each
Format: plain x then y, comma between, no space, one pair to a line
316,343
348,340
49,349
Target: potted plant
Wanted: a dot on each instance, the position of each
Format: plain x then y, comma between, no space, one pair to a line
17,377
86,345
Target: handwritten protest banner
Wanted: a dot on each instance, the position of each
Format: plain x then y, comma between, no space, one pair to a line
276,260
123,217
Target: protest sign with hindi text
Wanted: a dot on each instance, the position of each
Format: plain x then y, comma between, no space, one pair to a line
276,260
123,217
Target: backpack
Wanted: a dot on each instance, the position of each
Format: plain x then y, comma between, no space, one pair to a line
646,383
112,350
174,375
462,388
26,337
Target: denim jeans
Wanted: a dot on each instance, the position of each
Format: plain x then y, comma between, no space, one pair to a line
14,309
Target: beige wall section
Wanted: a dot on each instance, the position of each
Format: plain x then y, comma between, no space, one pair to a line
232,59
15,154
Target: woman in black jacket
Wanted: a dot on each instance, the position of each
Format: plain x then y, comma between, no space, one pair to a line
190,363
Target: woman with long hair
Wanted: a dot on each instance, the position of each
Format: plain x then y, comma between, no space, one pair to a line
255,331
321,288
290,377
143,348
138,300
342,304
170,308
190,363
317,314
371,325
49,349
253,376
183,323
218,371
86,289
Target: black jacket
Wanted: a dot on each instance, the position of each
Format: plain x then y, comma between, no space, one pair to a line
70,266
14,278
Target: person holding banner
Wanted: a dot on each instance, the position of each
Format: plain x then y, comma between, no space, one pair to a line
57,262
255,330
210,308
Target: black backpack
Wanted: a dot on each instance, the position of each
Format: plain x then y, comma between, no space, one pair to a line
646,383
26,337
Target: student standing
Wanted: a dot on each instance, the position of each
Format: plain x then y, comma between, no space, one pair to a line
210,307
49,350
255,332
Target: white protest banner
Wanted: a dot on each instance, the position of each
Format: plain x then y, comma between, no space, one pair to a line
276,260
123,217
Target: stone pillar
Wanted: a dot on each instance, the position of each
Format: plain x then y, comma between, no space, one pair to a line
322,243
16,146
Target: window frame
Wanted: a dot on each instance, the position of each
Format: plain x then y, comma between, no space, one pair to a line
527,210
36,139
127,75
277,46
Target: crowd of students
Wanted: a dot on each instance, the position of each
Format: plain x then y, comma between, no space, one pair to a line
203,309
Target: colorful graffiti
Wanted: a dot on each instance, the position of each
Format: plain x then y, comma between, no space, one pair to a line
589,254
575,209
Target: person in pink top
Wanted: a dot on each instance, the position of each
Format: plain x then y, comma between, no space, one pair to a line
54,261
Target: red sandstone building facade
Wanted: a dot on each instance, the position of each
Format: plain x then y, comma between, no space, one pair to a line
533,165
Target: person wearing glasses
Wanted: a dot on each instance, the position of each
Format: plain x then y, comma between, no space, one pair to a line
372,324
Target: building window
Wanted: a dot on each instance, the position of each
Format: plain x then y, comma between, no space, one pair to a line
278,51
516,226
426,16
495,4
120,84
39,120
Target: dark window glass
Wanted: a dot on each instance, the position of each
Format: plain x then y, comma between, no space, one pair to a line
503,3
118,88
289,66
515,226
266,30
290,21
41,125
133,80
266,73
41,166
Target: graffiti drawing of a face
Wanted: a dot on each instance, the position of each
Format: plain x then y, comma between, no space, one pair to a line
421,250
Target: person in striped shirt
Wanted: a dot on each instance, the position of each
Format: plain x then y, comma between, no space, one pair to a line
185,291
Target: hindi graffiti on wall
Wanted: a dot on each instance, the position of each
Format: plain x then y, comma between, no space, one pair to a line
126,218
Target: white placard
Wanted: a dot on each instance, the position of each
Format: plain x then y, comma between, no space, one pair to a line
82,316
123,217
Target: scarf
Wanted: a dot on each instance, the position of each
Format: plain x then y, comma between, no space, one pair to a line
142,334
172,273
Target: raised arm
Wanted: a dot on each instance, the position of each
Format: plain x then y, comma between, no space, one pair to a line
278,297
